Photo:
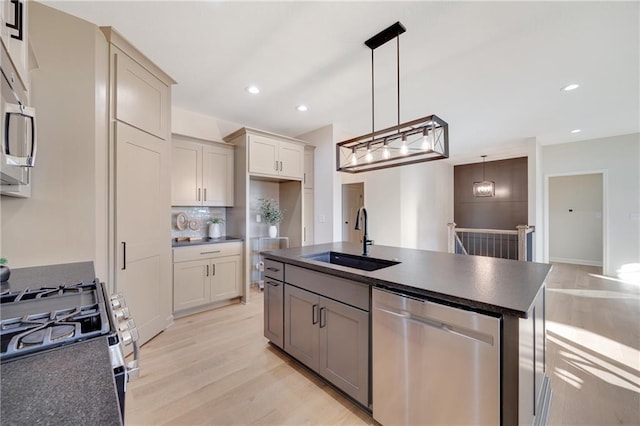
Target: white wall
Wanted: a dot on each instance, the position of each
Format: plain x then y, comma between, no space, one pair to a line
200,126
619,158
407,206
60,223
324,182
575,219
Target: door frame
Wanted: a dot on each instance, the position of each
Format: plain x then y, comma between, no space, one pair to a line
342,204
605,213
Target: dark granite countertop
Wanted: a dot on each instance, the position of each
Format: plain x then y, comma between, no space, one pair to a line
50,275
481,283
70,385
206,240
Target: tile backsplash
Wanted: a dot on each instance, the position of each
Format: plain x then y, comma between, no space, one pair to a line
196,224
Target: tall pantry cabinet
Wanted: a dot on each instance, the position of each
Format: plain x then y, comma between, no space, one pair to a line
140,198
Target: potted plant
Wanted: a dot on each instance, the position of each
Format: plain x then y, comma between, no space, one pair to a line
5,272
214,227
272,215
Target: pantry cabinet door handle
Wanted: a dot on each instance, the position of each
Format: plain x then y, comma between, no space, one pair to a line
323,317
314,314
124,255
207,271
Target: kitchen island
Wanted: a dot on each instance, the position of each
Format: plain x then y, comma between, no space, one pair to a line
321,313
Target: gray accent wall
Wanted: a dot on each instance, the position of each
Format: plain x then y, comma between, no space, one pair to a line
506,210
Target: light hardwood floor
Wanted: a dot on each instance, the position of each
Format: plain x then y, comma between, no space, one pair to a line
217,368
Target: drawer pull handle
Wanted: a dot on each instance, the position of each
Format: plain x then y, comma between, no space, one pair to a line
210,252
273,283
272,269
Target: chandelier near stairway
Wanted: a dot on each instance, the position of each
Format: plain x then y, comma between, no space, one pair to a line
417,141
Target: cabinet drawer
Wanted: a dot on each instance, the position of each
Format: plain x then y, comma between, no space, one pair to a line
345,291
206,251
273,269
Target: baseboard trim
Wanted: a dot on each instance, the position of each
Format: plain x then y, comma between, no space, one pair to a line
576,261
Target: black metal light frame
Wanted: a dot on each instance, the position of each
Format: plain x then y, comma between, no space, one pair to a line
417,141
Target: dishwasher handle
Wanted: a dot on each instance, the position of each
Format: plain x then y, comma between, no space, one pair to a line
447,328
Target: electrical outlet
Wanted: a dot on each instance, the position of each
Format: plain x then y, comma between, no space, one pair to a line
258,218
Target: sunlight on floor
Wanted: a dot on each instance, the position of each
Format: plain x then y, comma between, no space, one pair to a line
600,294
606,359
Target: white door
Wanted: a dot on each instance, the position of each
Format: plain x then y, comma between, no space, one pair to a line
143,209
575,219
352,200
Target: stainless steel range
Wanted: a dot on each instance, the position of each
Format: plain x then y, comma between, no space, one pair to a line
37,320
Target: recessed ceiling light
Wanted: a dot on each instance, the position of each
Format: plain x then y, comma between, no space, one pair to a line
254,90
576,131
570,87
302,108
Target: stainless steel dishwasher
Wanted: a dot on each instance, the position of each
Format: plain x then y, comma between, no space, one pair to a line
433,364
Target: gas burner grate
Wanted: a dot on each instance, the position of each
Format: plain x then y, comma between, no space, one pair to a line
45,292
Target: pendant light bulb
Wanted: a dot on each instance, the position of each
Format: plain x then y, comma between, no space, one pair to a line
425,140
404,149
369,156
354,158
385,151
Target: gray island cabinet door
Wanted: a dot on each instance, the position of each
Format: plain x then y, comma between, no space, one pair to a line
344,348
274,311
302,312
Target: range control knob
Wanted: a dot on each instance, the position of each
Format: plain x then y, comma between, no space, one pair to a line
117,301
127,338
122,314
128,324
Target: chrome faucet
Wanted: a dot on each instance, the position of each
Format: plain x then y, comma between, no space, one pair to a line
366,242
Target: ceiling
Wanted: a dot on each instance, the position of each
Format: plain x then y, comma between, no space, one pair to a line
492,70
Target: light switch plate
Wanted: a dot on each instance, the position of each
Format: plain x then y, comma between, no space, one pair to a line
258,218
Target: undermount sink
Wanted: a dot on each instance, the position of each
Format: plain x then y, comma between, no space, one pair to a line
351,260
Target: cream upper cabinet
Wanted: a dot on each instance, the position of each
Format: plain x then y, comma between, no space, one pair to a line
217,176
14,34
273,157
201,174
142,100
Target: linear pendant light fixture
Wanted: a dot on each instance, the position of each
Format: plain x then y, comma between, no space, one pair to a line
417,141
486,188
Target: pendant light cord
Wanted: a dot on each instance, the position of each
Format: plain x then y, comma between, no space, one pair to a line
398,69
373,100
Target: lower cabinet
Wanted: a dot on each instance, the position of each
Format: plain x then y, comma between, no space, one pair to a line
330,337
274,311
204,275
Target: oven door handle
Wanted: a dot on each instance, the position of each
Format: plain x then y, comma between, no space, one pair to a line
133,370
